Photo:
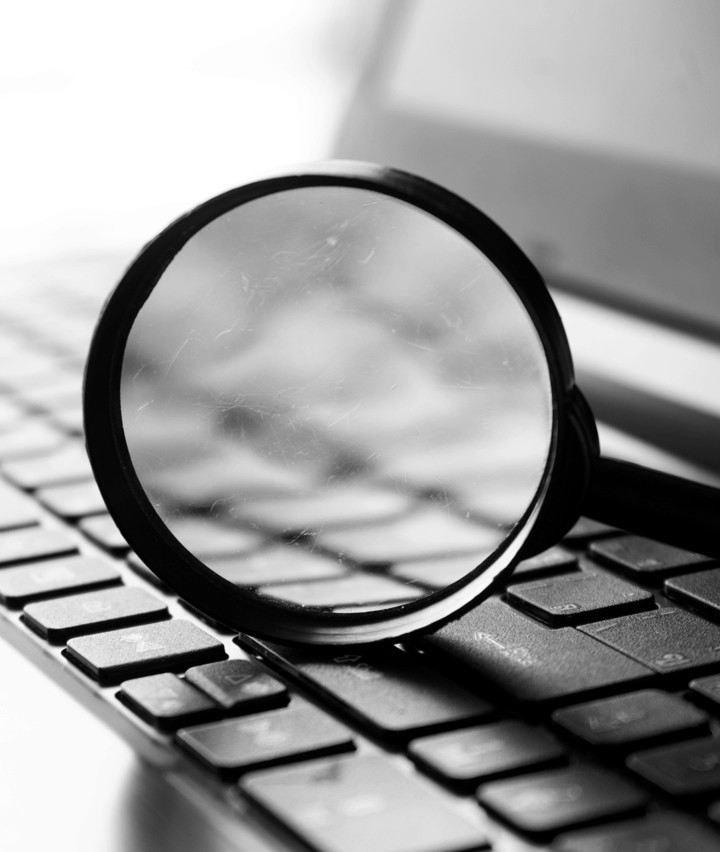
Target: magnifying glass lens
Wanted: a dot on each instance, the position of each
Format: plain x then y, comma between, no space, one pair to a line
338,406
334,400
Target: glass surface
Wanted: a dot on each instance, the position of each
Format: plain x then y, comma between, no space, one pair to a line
334,400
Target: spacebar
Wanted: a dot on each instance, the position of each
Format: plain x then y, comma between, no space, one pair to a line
529,662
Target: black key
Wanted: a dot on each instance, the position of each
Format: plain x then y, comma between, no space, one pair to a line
166,646
361,803
487,752
67,464
242,686
670,641
531,662
32,544
389,693
700,590
556,560
579,597
655,833
102,530
293,733
27,583
73,502
167,702
59,619
685,770
646,560
626,721
706,690
714,815
546,803
16,510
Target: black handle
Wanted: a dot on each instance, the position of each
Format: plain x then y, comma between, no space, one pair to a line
658,505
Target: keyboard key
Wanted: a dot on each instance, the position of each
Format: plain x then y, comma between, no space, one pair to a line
10,413
422,534
579,597
51,398
626,721
102,530
59,619
277,564
73,502
335,507
30,545
546,803
700,590
646,560
241,686
434,573
487,752
27,583
361,803
16,510
209,539
390,693
685,770
166,646
166,701
714,815
656,833
29,438
670,641
353,590
706,690
70,419
293,733
531,662
67,464
555,560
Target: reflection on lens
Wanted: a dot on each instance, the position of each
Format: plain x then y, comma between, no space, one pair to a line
333,399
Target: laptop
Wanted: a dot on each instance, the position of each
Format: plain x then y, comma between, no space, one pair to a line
576,709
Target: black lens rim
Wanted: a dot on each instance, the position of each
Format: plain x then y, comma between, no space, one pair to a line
127,502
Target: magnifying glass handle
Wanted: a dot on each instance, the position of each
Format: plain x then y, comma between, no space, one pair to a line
658,505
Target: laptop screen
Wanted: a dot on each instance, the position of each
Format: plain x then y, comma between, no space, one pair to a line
590,133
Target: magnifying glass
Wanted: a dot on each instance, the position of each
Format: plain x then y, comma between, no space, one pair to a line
336,406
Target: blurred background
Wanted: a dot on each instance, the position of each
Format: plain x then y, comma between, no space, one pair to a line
589,131
118,117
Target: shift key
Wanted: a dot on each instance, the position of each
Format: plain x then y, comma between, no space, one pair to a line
530,662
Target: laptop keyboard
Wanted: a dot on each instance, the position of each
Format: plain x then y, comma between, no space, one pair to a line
577,709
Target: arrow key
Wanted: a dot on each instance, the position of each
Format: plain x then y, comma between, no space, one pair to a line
241,686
